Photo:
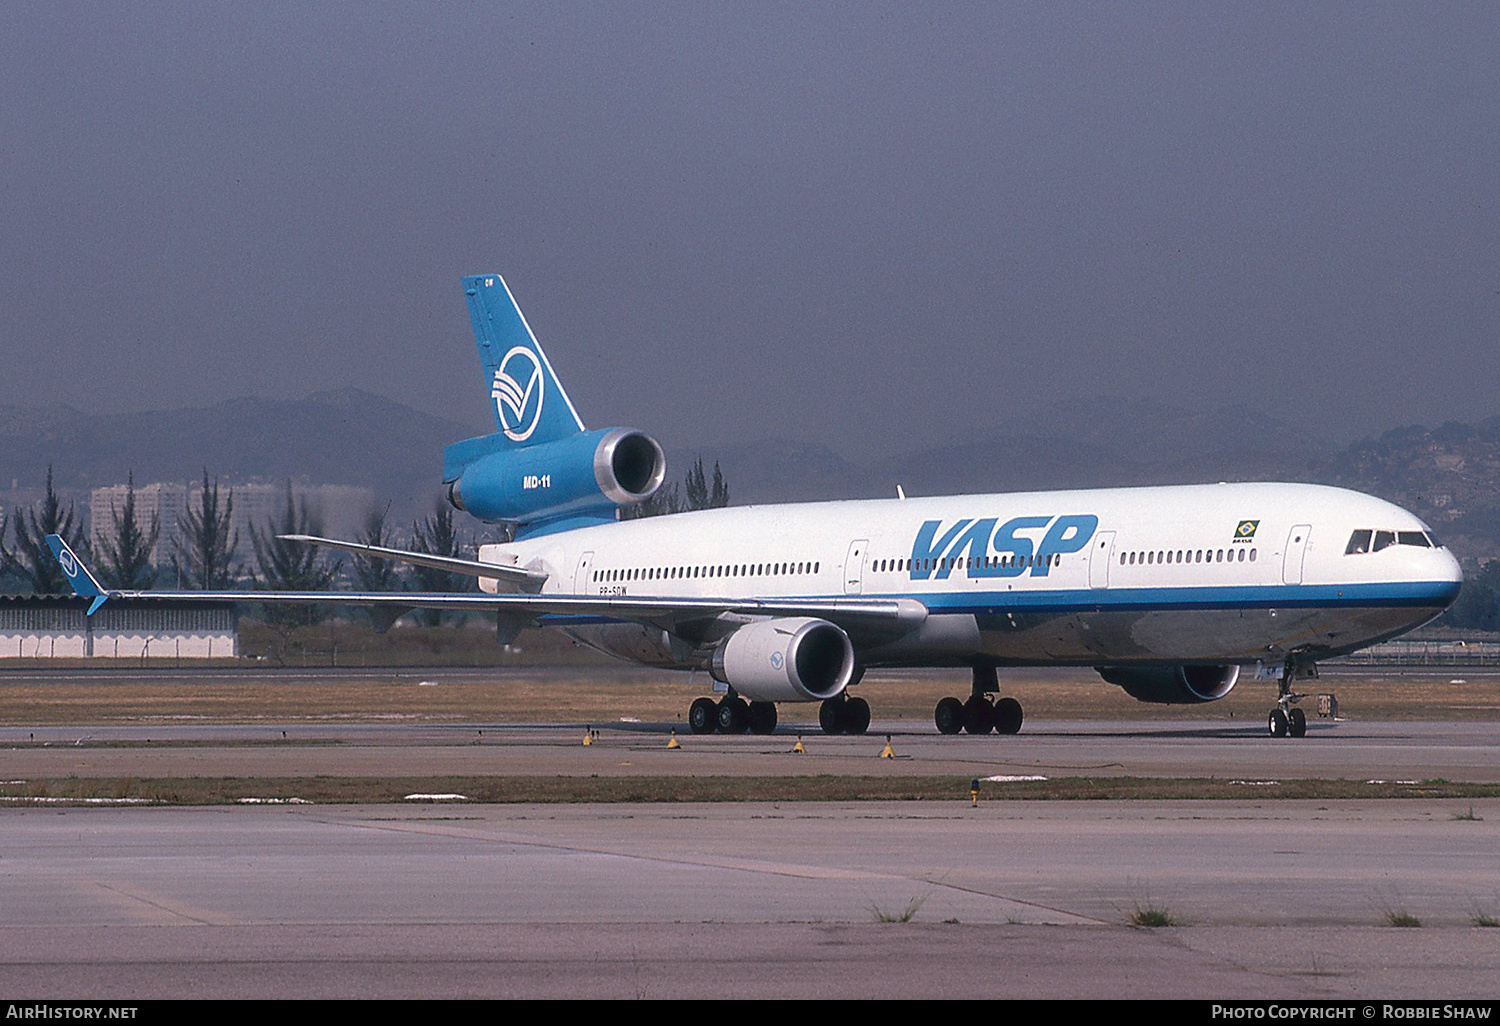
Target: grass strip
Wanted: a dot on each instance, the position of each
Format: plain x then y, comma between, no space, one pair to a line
612,789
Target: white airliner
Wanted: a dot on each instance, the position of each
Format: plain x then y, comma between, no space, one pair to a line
1170,593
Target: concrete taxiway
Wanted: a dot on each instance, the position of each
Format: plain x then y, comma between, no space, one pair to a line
1278,900
1344,750
1275,898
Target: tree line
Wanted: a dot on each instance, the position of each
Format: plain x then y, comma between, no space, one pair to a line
208,554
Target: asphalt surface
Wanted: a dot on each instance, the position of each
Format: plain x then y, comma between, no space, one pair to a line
1274,898
1406,750
1282,900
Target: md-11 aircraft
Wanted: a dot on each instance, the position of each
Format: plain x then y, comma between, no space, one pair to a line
1171,593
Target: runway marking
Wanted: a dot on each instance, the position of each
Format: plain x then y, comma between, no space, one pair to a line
141,906
1066,917
1054,917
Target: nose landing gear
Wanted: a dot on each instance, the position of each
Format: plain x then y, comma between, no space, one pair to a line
1286,720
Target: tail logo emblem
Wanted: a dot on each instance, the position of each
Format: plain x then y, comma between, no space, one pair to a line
512,401
69,564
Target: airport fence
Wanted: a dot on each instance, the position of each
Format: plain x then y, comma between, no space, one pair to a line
1427,653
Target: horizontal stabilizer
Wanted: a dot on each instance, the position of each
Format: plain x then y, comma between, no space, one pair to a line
530,580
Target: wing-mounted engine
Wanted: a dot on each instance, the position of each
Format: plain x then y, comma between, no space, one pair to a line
1173,685
789,659
590,473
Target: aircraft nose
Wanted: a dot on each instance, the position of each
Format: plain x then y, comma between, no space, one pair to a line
1448,571
1455,573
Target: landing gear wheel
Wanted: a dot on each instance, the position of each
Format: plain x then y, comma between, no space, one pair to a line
762,717
949,716
1286,720
703,716
856,716
1277,723
734,716
1008,716
831,716
979,716
1297,723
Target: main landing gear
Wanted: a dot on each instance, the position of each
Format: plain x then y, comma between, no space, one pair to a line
1286,720
844,715
731,715
977,715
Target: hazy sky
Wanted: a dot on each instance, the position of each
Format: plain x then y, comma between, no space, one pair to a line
867,225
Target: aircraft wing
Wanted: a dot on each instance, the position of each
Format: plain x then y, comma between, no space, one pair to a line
879,614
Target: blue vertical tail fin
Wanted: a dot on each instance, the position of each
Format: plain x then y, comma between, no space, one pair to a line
529,403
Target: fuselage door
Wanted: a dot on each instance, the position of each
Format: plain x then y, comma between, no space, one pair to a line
1296,550
854,566
1099,559
585,571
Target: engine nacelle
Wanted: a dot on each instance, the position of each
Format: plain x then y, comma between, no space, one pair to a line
590,472
1173,685
791,659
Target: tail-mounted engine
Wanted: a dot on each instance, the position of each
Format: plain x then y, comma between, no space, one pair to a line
592,472
792,659
1173,685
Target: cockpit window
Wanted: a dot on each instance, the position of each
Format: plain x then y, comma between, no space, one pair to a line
1362,541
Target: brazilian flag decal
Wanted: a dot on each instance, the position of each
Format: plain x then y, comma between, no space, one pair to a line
1246,530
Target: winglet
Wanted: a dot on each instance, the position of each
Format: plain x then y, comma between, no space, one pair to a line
78,575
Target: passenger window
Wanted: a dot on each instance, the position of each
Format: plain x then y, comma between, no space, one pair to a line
1384,539
1359,542
1252,555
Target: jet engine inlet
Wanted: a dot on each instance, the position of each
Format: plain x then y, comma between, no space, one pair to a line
629,466
790,659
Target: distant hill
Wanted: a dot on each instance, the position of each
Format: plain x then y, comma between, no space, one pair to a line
344,437
1089,445
1450,475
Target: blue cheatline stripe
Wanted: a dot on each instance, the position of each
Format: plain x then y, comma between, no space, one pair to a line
1405,594
1265,596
